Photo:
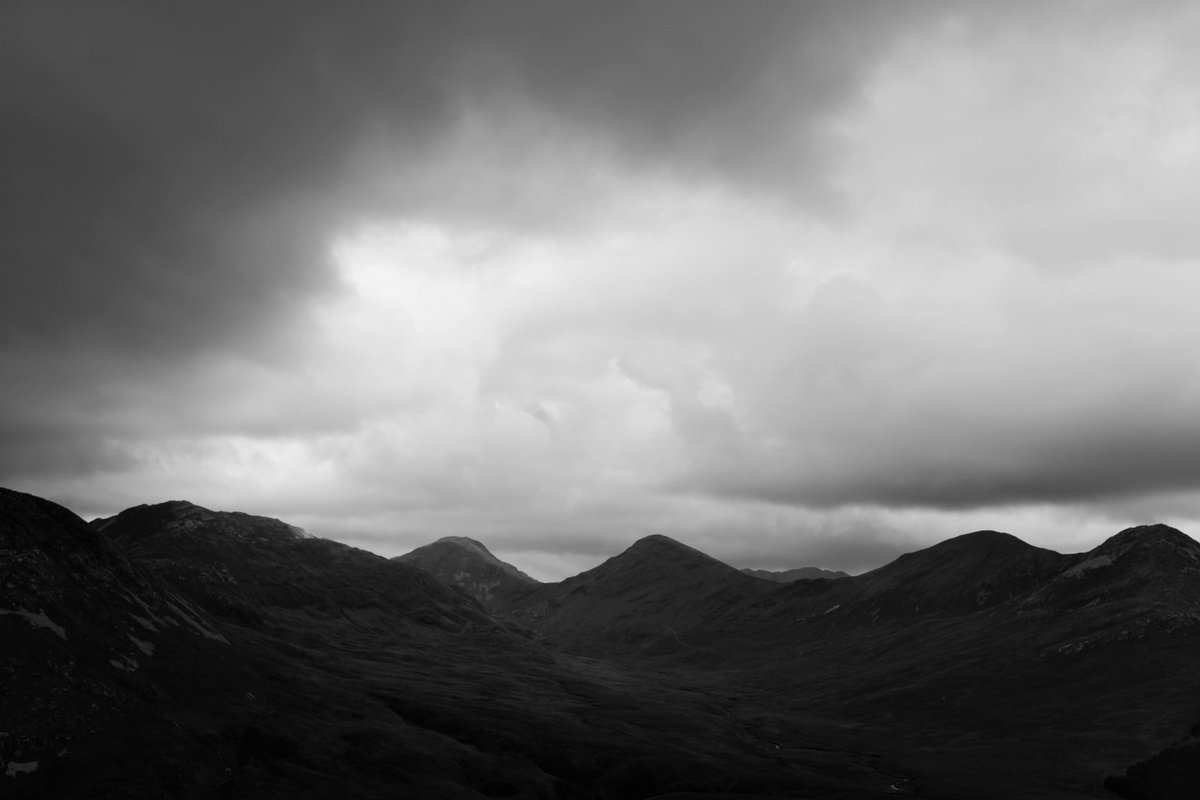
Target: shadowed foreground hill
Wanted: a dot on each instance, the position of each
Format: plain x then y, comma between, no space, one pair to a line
92,642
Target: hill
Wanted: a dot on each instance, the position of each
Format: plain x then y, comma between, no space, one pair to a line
465,563
656,595
247,568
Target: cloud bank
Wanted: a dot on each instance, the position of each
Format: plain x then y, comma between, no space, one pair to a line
795,283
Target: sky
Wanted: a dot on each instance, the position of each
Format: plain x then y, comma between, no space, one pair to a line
796,283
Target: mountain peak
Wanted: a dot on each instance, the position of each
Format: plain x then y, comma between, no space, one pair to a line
658,543
182,521
984,539
1146,539
466,563
965,573
655,558
976,548
474,545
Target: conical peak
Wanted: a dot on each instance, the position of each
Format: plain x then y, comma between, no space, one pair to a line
657,540
663,551
658,545
448,552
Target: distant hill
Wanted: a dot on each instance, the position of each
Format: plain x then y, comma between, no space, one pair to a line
465,563
649,597
964,574
797,574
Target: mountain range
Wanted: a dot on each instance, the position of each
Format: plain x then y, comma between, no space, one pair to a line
174,651
796,574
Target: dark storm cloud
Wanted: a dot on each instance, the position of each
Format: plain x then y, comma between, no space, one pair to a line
155,147
737,90
168,167
173,172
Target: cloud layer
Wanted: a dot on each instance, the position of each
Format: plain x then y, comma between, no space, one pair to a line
797,283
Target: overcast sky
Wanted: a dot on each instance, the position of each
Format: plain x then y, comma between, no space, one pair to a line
795,283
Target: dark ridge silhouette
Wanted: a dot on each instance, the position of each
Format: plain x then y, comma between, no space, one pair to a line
963,574
173,651
246,567
348,676
796,574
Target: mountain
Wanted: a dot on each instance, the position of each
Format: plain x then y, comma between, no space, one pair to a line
245,567
649,597
467,564
176,652
1142,583
960,575
1009,649
978,654
797,574
93,642
172,651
